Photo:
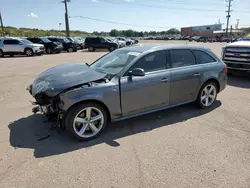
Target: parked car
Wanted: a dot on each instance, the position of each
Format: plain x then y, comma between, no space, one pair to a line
125,83
127,41
118,42
78,43
202,39
67,45
236,56
93,43
18,46
50,47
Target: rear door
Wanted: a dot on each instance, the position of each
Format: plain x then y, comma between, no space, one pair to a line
8,45
151,91
185,76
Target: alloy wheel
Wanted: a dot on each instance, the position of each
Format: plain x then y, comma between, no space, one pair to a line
208,95
28,52
70,50
88,122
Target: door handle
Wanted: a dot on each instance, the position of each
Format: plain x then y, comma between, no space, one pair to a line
197,74
164,80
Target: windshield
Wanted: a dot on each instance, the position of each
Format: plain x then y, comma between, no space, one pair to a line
24,41
45,40
114,62
66,40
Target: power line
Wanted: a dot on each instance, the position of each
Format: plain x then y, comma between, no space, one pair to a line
120,23
165,7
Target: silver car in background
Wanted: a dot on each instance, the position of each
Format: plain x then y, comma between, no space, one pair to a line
19,46
126,83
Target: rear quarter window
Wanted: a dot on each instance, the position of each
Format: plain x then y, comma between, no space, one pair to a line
203,57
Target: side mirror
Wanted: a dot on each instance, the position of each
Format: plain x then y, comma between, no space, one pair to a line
137,72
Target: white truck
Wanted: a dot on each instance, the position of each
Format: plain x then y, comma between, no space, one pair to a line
237,56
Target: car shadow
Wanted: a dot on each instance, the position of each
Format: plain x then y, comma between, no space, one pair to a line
32,132
239,81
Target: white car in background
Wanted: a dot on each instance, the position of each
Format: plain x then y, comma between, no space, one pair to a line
19,46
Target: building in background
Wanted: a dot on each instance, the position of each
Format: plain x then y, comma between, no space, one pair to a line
203,31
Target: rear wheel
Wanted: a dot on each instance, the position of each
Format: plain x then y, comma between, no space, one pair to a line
91,49
112,48
70,49
1,53
28,52
207,95
86,121
49,51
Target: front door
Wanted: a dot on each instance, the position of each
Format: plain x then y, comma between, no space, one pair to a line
184,75
148,92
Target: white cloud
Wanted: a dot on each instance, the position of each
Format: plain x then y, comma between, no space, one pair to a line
33,15
95,1
129,1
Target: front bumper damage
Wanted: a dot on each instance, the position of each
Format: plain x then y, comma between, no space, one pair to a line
49,106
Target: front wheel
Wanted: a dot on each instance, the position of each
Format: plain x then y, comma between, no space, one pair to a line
49,51
91,49
207,95
70,49
112,48
28,52
86,121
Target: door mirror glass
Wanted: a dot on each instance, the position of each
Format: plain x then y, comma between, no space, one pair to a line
137,72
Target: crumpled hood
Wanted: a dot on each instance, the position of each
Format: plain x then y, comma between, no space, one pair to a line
57,79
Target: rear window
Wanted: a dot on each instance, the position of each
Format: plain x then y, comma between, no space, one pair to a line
182,58
203,57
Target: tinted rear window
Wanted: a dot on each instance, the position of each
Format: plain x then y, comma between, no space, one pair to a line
182,58
203,57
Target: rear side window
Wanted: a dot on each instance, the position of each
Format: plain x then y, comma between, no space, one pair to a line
182,58
152,62
203,57
11,41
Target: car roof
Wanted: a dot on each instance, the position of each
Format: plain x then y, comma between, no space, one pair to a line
157,47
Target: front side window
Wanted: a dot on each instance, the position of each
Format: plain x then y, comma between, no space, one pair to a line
8,41
152,62
114,62
203,57
182,58
24,41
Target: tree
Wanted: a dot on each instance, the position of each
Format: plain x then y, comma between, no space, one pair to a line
114,33
173,31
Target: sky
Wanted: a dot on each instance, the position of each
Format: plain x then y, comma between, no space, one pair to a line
140,15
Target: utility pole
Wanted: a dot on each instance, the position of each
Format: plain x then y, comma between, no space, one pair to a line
1,22
228,14
237,24
66,17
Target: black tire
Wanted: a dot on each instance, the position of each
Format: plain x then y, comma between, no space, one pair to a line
112,48
73,112
49,51
1,53
199,98
70,49
91,49
11,55
75,50
128,43
28,52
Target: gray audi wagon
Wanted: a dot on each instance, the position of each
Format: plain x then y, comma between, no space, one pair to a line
125,83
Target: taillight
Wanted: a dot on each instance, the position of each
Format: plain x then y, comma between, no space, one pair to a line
225,69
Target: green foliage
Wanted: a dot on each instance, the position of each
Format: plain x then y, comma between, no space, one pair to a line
132,33
28,32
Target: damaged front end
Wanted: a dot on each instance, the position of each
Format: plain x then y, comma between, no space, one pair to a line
49,106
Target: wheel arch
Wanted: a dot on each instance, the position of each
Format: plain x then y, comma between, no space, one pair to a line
90,101
209,80
28,48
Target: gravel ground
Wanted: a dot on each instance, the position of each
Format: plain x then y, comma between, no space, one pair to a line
179,147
